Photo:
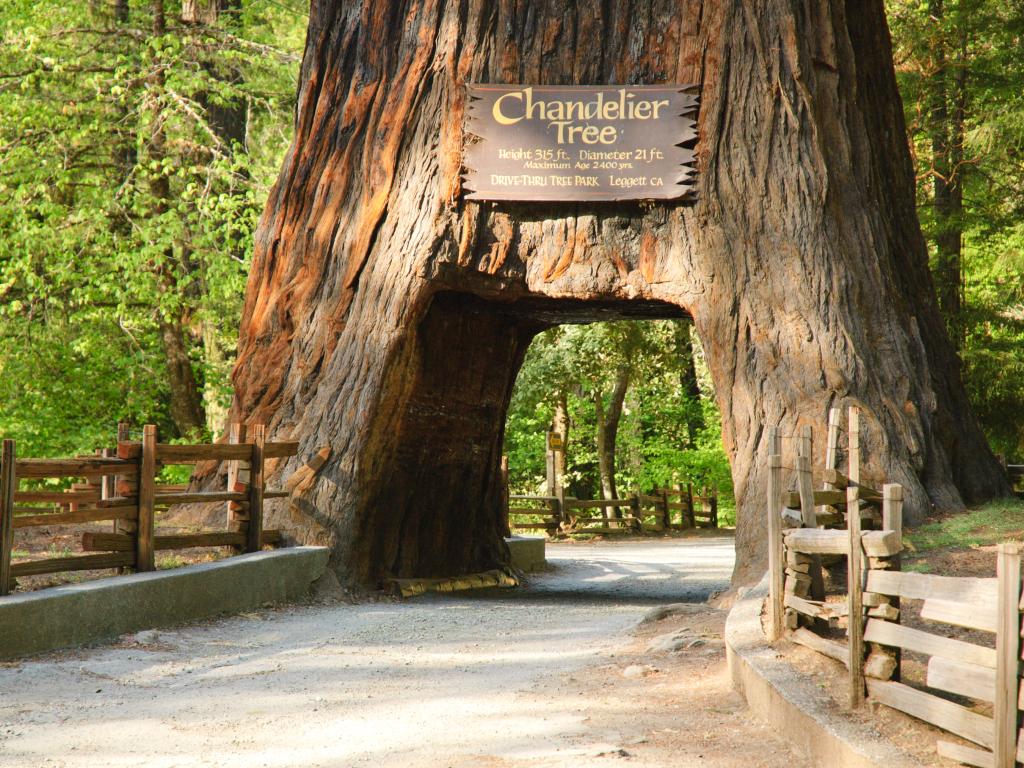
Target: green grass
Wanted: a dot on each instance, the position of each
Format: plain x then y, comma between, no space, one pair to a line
992,523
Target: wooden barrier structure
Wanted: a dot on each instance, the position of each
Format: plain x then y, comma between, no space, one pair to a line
121,485
653,512
871,612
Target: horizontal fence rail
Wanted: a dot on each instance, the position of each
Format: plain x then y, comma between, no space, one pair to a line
801,545
120,486
658,512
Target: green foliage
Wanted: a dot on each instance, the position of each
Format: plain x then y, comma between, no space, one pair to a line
993,523
123,208
961,76
654,447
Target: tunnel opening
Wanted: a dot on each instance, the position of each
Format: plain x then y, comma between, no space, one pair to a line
617,410
434,491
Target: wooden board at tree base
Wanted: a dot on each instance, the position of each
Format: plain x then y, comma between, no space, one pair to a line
583,142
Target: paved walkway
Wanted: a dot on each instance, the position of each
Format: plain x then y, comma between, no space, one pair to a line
510,678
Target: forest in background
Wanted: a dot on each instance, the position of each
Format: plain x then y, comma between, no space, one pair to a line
139,140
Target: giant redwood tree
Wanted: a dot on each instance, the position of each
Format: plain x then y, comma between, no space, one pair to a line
386,316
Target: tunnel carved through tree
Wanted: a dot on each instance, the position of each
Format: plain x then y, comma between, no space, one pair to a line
387,316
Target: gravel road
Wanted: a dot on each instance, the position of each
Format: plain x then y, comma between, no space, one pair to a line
552,674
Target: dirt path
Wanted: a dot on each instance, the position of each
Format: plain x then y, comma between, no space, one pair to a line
556,674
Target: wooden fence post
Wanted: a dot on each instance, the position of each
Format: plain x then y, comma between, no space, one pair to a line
776,596
892,520
503,479
853,451
832,441
236,435
1007,656
666,515
634,509
714,506
254,534
855,597
145,558
691,520
564,523
8,485
124,485
805,446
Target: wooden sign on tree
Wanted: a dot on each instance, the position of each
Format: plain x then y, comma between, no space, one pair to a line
579,142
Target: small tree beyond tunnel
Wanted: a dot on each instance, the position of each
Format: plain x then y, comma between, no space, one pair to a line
386,316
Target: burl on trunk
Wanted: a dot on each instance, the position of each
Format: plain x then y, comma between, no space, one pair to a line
387,317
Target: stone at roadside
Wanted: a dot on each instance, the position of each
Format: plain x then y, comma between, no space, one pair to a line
663,612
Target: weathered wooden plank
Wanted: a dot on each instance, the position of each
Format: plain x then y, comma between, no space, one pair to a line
980,758
281,449
121,542
254,531
831,648
275,495
831,442
835,498
896,635
76,563
926,586
962,678
973,616
589,503
524,497
816,609
28,469
1004,710
535,526
57,497
882,543
76,518
815,541
806,492
147,497
939,712
199,497
855,587
775,548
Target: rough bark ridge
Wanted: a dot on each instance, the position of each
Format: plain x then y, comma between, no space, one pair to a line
386,317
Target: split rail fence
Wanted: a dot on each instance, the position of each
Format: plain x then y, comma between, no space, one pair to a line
120,485
802,547
662,510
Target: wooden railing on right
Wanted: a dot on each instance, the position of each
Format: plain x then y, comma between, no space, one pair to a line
871,611
120,485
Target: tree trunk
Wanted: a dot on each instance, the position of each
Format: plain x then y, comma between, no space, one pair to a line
608,431
387,317
688,381
186,406
560,424
948,99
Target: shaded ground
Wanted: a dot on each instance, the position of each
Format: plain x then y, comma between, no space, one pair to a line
555,674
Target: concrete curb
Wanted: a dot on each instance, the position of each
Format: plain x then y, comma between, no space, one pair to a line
78,614
791,702
527,552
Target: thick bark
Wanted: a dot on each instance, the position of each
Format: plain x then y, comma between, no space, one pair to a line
387,317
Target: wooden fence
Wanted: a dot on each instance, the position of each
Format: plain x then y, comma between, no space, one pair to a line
662,510
871,609
120,485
